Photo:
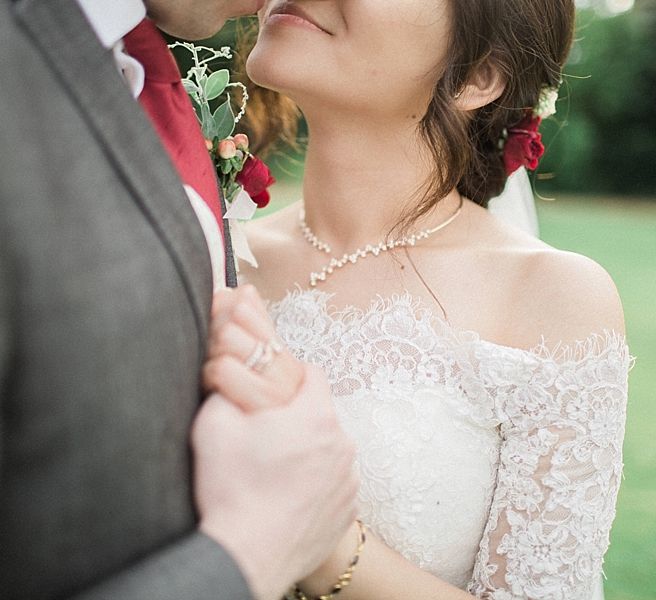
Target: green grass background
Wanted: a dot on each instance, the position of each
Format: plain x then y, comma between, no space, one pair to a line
620,234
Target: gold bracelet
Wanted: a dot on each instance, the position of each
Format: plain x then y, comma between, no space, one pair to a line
346,577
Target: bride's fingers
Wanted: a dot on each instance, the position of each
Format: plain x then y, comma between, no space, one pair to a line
247,389
240,323
232,339
243,317
235,339
277,384
244,307
236,383
224,300
251,314
282,376
223,303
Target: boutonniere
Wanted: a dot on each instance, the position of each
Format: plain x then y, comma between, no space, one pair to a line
244,178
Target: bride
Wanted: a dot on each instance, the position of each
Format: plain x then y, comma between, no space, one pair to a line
481,372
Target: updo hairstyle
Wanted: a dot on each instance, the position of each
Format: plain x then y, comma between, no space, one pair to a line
527,42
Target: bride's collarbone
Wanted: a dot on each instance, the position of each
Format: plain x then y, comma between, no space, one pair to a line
511,288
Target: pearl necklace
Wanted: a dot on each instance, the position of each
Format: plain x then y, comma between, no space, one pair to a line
363,252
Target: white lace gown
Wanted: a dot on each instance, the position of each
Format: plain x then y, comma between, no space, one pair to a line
494,468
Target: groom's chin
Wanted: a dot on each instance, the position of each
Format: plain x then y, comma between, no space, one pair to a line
191,34
186,29
198,19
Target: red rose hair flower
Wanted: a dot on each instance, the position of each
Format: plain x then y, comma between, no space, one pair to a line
256,178
523,147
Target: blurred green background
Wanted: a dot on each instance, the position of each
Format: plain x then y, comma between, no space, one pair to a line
603,139
597,195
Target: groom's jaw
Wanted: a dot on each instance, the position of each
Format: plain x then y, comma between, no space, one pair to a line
198,19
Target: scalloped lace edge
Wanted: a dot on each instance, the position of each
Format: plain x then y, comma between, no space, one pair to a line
593,346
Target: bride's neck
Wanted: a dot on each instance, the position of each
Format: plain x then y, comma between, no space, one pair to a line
360,177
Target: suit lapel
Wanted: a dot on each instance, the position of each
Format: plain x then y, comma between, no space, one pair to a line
60,30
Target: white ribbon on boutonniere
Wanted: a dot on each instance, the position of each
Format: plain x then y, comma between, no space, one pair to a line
241,209
213,237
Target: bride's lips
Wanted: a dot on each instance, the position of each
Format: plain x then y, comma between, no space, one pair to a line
290,13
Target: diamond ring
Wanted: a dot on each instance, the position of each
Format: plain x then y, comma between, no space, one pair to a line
263,355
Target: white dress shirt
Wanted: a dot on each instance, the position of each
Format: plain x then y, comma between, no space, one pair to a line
111,21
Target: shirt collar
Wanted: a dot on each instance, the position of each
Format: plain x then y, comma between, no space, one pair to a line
112,20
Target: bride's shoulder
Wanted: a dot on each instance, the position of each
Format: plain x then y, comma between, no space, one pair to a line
562,296
568,296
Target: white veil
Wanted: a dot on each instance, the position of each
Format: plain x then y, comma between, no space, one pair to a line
516,204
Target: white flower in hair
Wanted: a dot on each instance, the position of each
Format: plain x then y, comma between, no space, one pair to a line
546,105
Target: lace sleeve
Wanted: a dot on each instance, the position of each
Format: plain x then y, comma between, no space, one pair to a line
559,472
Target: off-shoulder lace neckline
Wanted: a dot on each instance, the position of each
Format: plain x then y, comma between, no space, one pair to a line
594,345
515,457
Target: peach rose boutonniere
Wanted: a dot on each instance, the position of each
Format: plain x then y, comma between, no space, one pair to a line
244,179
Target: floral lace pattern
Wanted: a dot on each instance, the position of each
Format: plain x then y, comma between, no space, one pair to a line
494,468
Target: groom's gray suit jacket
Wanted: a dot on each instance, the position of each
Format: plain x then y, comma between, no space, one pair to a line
105,290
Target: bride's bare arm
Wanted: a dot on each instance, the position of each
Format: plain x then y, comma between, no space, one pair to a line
381,573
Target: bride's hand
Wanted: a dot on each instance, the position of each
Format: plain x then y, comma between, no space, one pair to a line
239,323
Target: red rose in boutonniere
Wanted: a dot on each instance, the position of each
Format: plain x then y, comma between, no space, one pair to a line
243,178
256,178
212,96
523,146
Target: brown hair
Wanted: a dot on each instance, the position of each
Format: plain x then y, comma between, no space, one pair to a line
526,41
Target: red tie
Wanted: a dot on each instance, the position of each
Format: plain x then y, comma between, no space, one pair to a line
171,112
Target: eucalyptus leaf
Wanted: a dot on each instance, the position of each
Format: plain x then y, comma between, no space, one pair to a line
224,120
216,84
208,124
197,110
190,87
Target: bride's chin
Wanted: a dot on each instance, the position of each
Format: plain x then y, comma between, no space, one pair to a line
296,77
257,66
272,73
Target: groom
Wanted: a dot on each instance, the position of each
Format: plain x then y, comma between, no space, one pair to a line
107,245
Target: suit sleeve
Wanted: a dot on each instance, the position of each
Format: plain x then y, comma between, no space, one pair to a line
4,347
196,568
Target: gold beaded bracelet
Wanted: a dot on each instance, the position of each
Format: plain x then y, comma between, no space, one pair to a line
345,578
